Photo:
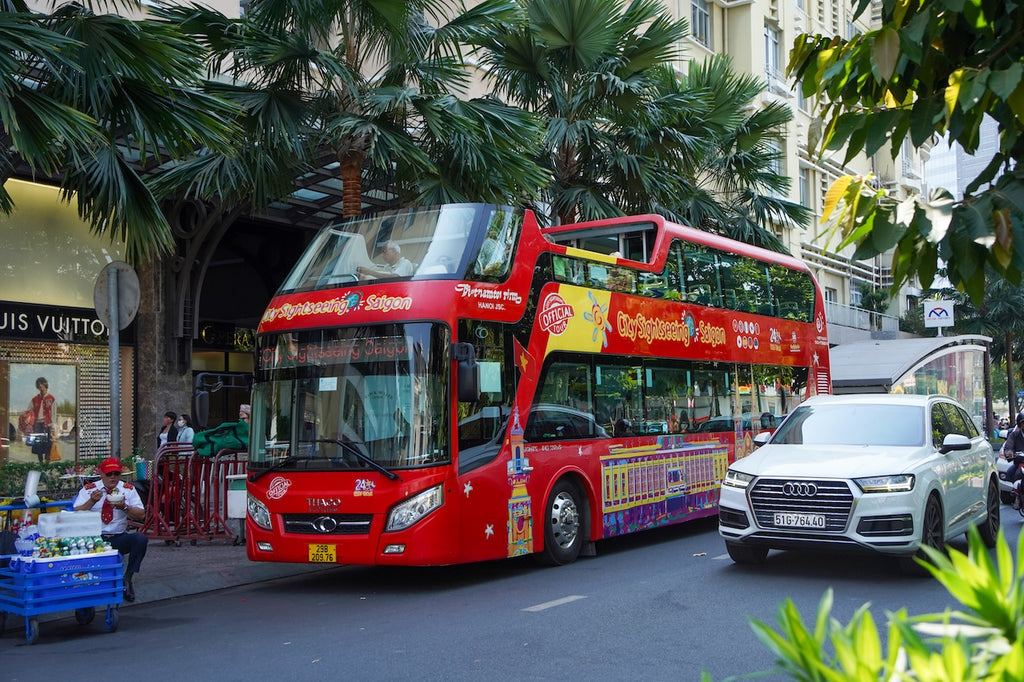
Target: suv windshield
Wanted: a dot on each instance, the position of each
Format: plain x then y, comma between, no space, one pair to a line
359,398
853,424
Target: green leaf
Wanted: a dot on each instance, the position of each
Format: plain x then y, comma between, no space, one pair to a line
856,143
886,232
923,119
885,52
866,249
841,128
879,129
928,257
1016,102
1004,82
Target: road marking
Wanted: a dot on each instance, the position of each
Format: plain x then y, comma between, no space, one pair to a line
721,556
554,602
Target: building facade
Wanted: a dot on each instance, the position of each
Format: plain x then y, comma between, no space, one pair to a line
189,350
758,35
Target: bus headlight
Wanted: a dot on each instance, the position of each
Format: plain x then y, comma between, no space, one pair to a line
258,512
415,508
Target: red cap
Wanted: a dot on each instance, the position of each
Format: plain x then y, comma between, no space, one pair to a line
110,464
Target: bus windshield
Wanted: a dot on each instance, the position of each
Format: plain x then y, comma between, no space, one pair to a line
356,398
463,241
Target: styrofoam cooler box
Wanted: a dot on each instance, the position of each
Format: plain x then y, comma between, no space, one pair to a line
65,524
236,496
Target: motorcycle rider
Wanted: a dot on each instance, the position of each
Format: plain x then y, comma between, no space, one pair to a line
1014,443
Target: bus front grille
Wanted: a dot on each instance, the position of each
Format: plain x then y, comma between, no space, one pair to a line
327,524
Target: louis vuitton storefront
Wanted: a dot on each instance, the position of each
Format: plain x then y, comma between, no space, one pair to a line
54,360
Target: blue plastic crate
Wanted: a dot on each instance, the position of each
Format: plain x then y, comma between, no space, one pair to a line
69,563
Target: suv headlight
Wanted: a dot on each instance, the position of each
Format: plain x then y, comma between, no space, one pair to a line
899,483
415,508
258,512
737,479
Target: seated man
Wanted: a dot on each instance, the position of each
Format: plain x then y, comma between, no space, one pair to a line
395,265
117,501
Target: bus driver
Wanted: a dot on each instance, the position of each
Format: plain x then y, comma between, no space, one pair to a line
394,263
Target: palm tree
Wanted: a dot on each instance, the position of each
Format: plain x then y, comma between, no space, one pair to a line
373,84
97,101
1000,317
585,67
626,133
734,187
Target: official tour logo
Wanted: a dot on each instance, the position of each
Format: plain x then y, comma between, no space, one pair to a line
278,487
555,314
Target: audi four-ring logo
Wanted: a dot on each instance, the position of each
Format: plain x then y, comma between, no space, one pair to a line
800,489
325,524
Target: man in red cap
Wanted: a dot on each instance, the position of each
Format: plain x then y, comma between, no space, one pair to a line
117,501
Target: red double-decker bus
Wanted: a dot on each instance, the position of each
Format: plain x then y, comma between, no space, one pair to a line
456,384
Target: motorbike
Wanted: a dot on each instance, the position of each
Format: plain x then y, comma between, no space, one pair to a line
1018,462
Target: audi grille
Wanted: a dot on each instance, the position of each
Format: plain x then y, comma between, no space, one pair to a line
831,498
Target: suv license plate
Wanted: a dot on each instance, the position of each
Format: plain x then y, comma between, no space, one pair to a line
323,554
800,520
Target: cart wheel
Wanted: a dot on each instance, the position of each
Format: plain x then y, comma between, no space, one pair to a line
168,542
193,542
113,616
31,630
85,616
3,622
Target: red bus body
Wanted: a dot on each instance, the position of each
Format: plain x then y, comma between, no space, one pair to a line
499,507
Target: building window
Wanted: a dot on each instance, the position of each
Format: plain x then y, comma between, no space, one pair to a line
830,295
774,148
700,22
805,187
772,54
856,297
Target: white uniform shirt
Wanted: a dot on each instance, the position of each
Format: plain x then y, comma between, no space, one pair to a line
119,524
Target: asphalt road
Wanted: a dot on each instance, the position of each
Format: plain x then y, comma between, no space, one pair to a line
663,605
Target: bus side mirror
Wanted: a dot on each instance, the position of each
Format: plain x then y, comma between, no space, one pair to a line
467,375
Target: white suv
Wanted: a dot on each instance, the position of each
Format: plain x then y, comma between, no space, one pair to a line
877,472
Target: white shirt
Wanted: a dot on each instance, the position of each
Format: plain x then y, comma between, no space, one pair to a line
120,522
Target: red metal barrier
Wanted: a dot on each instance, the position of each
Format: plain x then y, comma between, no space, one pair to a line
188,494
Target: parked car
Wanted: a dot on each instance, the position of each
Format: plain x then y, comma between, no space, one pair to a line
882,473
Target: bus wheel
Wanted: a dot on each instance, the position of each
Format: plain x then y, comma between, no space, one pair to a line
563,532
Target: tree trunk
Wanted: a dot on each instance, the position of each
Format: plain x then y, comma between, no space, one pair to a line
351,170
1011,393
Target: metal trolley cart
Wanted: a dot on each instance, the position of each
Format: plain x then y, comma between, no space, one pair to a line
33,586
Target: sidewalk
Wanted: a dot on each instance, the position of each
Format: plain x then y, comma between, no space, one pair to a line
170,571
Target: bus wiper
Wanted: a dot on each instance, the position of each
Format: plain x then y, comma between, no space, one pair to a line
348,447
274,467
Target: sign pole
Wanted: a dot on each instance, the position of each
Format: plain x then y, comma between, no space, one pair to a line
113,343
116,296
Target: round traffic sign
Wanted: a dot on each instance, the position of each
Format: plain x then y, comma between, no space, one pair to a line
127,293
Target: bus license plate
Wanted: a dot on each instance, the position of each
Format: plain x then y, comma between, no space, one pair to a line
800,520
323,554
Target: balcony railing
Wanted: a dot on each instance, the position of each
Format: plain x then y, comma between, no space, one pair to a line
857,318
